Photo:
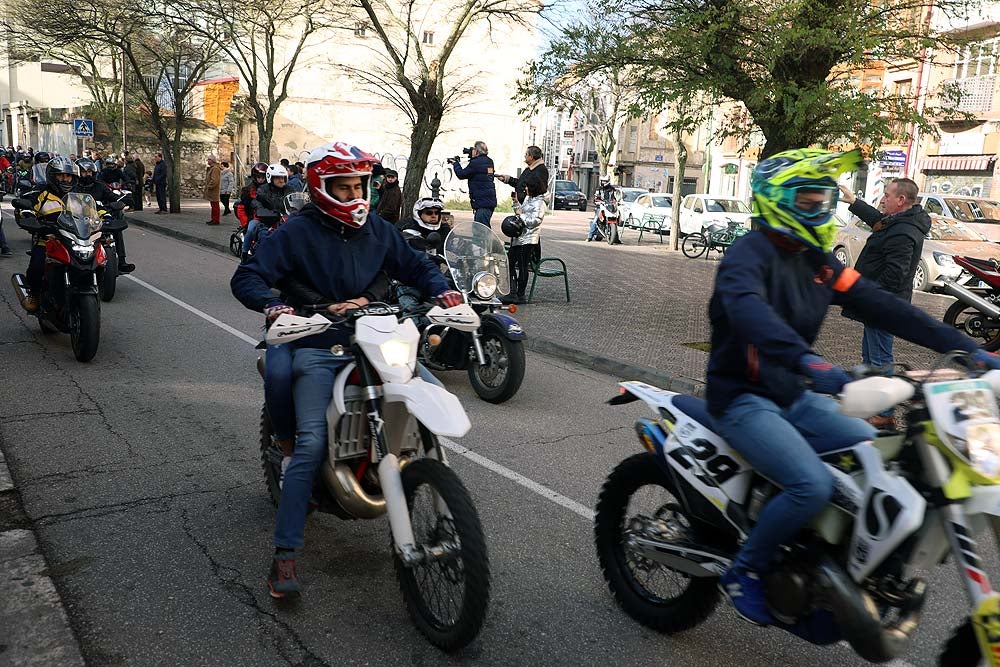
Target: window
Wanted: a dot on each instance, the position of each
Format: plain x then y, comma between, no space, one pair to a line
934,206
428,37
977,60
360,29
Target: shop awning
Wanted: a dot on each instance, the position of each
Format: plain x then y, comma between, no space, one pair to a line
955,162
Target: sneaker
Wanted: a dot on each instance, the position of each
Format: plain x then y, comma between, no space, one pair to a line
31,304
882,422
285,460
589,239
282,580
5,252
745,592
125,267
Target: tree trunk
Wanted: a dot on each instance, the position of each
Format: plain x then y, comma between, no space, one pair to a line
680,162
265,130
173,175
422,137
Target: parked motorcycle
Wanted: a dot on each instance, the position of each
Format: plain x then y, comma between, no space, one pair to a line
384,457
488,345
977,309
902,503
73,256
608,220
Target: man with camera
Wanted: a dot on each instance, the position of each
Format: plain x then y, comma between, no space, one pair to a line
479,173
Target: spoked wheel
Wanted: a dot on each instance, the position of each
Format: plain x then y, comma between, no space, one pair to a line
447,591
694,245
975,324
962,649
634,499
236,243
501,376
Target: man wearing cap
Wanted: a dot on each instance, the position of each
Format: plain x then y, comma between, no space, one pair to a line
391,201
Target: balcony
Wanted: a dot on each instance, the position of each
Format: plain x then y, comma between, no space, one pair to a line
976,92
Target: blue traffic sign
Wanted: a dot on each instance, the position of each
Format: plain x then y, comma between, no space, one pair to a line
83,127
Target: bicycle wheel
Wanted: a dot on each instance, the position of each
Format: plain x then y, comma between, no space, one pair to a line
695,245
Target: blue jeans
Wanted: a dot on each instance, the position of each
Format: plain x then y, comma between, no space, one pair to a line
593,233
772,439
3,239
876,347
278,390
483,215
313,373
250,234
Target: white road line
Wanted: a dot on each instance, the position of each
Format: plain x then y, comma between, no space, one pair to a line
530,484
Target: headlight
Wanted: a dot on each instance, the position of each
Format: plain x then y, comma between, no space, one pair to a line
84,250
485,285
396,352
984,448
944,259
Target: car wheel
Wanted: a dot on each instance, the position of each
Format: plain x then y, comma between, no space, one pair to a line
841,254
920,281
583,206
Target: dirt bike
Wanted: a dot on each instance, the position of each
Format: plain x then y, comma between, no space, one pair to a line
385,458
902,503
68,300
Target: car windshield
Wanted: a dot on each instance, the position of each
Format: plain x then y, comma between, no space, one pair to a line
970,210
631,195
661,202
726,206
565,186
944,229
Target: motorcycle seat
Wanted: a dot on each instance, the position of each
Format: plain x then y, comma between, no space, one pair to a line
697,409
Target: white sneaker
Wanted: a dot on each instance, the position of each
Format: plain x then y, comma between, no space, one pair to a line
285,460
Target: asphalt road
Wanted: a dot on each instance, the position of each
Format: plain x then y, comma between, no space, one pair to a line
140,474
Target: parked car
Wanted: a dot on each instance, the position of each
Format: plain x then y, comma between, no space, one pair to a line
627,197
568,195
946,238
700,211
650,210
978,213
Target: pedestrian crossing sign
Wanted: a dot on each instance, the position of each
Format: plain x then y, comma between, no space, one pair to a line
83,127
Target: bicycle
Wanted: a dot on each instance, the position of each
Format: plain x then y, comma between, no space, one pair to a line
719,238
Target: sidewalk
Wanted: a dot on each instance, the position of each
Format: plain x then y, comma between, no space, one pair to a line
638,312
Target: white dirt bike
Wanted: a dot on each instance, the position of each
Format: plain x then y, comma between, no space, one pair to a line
902,503
384,457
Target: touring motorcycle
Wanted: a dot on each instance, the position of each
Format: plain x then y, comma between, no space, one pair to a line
385,458
902,503
73,257
487,341
608,220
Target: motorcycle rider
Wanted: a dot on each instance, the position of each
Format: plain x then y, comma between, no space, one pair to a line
103,195
337,246
426,220
244,207
111,172
61,177
605,192
271,196
38,172
772,291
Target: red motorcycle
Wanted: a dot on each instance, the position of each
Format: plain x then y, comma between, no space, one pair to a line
977,310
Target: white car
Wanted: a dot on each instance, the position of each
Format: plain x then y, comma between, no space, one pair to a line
700,211
650,210
626,197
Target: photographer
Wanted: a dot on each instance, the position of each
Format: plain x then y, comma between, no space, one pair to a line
479,173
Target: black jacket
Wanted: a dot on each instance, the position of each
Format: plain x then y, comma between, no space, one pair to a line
111,175
537,178
390,203
892,253
479,172
271,197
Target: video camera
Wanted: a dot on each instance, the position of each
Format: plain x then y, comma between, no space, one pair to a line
465,151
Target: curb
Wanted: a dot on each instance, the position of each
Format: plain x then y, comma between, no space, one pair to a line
544,346
36,627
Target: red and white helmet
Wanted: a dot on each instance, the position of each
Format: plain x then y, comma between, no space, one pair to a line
332,161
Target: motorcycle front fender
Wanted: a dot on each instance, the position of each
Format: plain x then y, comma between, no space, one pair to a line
508,325
435,407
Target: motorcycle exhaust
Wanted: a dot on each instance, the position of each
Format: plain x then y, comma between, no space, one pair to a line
347,490
970,298
858,617
20,284
696,561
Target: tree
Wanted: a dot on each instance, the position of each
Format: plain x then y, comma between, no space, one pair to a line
789,63
417,78
264,39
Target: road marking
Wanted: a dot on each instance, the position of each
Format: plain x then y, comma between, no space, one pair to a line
503,471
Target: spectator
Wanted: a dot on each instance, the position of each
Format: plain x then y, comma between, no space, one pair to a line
147,189
160,183
284,163
130,181
482,191
525,249
295,182
391,202
213,180
140,170
890,258
227,184
537,175
378,175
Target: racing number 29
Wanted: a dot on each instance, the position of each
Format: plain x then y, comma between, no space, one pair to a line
718,468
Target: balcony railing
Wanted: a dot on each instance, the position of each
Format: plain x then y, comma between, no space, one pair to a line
976,92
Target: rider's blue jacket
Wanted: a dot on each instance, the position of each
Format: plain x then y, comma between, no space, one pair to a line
771,296
337,261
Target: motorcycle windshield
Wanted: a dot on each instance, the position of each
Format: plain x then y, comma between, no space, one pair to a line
79,215
38,174
472,248
295,201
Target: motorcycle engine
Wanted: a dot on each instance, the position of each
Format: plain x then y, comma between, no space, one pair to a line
787,592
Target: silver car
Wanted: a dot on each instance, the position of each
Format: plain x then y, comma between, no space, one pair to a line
947,237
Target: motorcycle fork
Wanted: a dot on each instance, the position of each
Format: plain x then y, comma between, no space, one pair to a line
388,465
477,345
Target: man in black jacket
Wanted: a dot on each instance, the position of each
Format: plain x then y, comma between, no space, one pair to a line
890,258
391,202
482,191
536,175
